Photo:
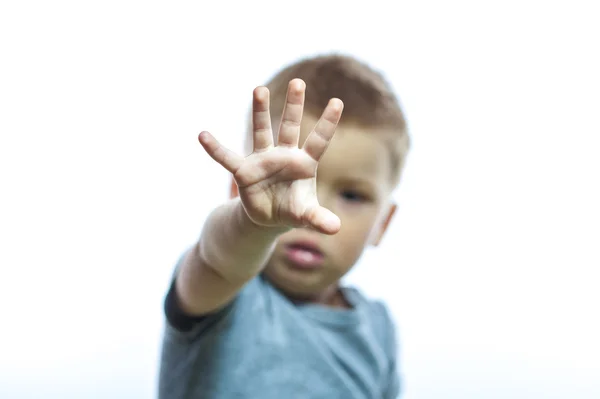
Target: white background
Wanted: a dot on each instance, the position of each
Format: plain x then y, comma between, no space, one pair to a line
491,266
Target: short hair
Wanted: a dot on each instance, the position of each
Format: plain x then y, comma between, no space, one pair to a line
369,101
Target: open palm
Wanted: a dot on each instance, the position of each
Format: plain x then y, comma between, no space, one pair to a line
277,184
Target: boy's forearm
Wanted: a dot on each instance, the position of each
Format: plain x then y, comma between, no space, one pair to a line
233,245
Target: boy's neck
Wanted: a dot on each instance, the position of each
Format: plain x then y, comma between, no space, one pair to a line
332,296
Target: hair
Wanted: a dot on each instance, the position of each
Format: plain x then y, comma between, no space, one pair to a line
369,101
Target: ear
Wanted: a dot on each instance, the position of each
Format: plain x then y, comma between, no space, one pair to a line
384,225
233,190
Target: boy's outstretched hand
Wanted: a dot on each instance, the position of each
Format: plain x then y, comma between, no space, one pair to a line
277,183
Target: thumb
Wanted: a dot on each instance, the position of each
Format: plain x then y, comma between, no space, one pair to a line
322,220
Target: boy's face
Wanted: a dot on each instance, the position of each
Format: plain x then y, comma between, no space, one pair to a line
354,180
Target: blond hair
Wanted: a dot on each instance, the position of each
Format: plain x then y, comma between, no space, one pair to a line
368,98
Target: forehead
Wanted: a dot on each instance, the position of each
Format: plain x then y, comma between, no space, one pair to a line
354,152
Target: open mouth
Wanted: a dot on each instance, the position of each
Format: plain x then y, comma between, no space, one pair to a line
304,255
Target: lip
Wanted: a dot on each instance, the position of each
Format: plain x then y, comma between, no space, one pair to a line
304,255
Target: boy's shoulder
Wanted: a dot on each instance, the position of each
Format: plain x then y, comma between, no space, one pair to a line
377,311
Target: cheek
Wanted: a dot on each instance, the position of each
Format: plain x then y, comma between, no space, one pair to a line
358,220
354,235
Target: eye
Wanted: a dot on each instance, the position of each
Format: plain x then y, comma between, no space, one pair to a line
353,196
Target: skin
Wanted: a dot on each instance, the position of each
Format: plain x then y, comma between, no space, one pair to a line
276,202
354,182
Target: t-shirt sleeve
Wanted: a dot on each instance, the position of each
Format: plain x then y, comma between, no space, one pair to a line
392,389
177,318
182,324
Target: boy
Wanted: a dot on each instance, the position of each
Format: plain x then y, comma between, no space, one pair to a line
255,309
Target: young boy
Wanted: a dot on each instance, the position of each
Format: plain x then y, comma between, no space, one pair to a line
255,309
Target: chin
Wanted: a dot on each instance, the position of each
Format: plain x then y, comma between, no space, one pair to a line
296,284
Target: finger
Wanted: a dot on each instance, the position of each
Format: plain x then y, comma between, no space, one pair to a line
317,141
227,158
322,220
261,120
289,129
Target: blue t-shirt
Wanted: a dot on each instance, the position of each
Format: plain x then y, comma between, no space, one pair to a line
262,346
